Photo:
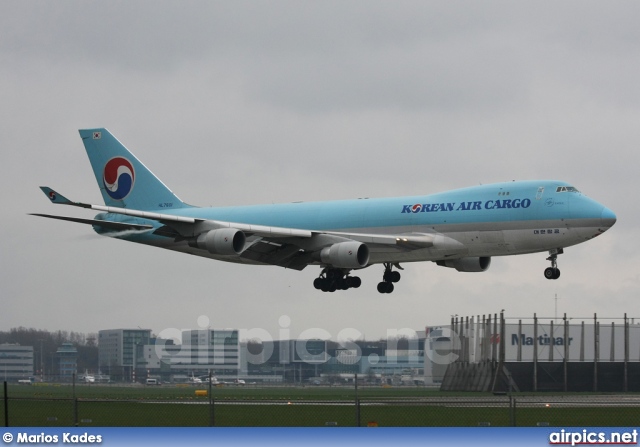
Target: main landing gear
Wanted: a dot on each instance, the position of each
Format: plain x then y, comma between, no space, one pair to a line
332,279
389,277
553,272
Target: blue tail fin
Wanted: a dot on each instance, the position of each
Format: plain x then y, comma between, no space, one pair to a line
123,180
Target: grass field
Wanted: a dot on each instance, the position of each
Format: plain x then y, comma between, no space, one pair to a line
170,405
97,391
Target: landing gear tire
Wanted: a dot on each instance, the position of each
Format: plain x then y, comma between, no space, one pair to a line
391,276
332,279
388,278
552,273
385,287
354,281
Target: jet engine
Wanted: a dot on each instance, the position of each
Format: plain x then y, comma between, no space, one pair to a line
351,254
467,264
224,241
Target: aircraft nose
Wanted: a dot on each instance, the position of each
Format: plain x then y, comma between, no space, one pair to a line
608,218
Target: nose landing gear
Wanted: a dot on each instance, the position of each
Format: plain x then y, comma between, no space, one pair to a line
553,272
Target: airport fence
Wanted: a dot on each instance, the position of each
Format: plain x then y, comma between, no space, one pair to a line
44,406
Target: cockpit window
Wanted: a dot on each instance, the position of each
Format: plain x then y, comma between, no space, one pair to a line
566,189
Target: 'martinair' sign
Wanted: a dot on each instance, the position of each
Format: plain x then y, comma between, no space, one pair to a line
581,342
542,340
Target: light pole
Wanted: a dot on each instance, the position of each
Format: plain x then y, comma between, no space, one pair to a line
41,362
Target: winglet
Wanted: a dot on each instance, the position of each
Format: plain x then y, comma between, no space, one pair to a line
58,198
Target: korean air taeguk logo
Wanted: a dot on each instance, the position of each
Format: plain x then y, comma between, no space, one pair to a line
118,177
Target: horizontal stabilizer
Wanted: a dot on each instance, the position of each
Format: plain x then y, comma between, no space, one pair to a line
120,226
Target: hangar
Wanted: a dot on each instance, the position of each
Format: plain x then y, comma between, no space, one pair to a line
487,353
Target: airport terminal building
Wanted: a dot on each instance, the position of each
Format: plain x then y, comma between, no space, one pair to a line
202,352
16,362
219,352
119,351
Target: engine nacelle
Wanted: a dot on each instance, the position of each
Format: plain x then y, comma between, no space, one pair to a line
352,255
467,264
224,241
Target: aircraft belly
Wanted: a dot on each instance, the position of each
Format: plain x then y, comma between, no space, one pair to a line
447,244
412,256
444,246
486,243
543,239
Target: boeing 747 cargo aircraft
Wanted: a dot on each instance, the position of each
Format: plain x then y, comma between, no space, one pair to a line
460,229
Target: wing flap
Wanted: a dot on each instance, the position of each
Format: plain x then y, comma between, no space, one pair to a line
261,230
409,241
283,255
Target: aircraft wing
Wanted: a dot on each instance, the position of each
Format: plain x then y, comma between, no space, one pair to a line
296,253
119,226
176,221
287,247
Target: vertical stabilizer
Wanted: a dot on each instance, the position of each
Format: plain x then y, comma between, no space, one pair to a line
123,180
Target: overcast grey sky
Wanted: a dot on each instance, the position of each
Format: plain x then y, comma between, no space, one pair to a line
260,102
